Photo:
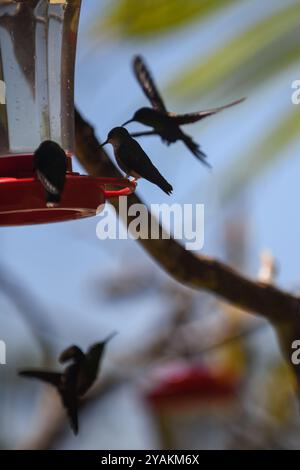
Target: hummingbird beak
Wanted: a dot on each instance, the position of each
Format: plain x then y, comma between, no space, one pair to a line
109,337
127,122
104,143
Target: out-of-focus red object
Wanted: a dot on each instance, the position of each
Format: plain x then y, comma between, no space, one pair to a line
192,404
22,197
184,385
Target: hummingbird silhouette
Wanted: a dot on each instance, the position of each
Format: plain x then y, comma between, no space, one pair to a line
50,166
166,124
77,378
132,159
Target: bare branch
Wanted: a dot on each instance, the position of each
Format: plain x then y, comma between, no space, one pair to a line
196,271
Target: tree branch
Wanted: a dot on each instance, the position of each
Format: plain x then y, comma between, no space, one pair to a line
281,308
196,271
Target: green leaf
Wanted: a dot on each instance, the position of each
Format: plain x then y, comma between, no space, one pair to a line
255,55
135,18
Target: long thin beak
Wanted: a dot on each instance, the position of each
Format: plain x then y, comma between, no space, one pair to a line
127,122
104,143
109,337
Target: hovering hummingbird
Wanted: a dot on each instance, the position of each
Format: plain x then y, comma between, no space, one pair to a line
166,124
77,378
132,159
50,166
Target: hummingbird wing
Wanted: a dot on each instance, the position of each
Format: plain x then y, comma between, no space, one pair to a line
52,378
146,81
72,352
189,118
195,149
135,159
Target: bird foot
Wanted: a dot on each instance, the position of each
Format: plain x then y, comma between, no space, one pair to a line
133,179
52,204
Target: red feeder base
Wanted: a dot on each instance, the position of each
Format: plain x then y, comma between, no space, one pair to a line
22,199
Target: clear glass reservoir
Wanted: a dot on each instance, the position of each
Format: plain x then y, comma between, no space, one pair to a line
37,57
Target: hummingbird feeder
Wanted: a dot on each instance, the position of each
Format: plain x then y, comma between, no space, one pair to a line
180,385
189,400
37,58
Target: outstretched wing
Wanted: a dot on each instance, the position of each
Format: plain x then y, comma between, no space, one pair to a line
189,118
146,81
52,378
72,352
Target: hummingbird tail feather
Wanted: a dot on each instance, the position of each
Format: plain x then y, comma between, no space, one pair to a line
70,403
74,424
195,149
164,185
68,396
71,409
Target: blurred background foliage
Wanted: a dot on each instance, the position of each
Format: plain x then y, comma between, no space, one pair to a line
126,19
73,288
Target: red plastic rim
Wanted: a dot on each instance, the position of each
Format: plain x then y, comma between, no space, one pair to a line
22,200
183,385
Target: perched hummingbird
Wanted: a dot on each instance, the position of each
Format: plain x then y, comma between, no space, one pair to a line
77,378
132,159
50,166
166,124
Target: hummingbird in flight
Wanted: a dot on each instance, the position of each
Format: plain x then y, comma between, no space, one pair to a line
77,378
166,124
50,166
132,159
